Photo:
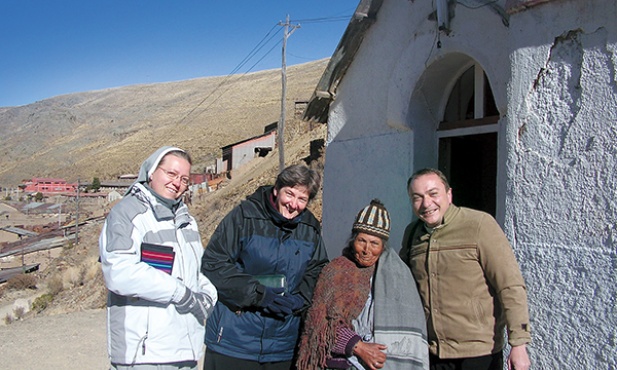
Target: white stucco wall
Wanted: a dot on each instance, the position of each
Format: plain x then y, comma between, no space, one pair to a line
553,72
561,207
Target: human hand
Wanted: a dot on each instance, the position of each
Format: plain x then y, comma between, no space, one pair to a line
197,304
518,358
283,305
371,353
289,303
269,295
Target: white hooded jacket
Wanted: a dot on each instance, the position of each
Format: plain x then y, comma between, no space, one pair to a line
143,324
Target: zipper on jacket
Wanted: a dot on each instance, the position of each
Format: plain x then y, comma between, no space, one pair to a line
142,340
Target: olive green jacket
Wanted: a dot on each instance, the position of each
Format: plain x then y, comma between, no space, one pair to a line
470,284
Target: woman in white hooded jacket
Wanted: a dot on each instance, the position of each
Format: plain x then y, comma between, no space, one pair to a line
151,252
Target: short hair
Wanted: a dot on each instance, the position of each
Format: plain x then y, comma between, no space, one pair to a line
178,153
429,171
298,174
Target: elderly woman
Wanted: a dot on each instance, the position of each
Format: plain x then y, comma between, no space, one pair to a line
365,314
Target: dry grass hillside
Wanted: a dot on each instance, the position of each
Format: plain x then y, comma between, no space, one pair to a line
73,281
109,132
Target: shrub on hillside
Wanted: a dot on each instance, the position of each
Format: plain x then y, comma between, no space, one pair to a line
55,285
21,282
19,312
42,302
72,277
91,269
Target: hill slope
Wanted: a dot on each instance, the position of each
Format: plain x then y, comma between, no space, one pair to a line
109,132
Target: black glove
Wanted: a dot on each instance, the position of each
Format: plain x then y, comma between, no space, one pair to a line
280,305
269,294
297,302
196,304
289,303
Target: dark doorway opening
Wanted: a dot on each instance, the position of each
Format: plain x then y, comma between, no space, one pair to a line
470,163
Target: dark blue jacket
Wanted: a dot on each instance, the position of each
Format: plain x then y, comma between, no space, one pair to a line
254,239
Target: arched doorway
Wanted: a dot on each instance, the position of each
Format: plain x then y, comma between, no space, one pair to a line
467,141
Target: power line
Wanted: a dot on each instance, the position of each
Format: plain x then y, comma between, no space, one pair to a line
249,56
258,47
322,20
221,84
255,49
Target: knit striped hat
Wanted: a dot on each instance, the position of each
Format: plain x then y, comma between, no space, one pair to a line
374,220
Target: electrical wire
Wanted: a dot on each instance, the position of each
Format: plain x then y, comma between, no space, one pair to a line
260,45
322,20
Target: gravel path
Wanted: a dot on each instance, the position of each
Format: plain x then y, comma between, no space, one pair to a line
68,341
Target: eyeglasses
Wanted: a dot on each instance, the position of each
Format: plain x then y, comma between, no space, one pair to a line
173,175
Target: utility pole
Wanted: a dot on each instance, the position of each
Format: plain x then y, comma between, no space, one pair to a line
77,216
281,125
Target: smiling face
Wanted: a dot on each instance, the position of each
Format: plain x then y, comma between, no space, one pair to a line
429,199
367,249
170,179
291,201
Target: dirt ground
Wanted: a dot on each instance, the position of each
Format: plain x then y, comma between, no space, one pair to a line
75,340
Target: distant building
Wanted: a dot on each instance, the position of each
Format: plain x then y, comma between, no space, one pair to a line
240,153
39,208
49,186
128,176
300,108
113,195
200,178
12,234
121,185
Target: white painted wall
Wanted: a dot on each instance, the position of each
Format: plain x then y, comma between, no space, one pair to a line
561,209
553,72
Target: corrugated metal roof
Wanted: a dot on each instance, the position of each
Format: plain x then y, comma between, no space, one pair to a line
19,231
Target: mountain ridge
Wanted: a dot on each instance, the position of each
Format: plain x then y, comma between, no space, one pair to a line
106,133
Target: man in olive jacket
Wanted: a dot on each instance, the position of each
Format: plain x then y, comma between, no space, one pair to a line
468,278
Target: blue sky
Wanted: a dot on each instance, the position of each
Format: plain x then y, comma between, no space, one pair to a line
56,47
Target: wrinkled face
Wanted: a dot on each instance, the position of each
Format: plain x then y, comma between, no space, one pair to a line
367,249
429,199
171,178
290,202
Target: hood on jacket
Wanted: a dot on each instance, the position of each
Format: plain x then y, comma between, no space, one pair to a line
150,164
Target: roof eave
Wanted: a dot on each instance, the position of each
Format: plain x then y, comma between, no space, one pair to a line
319,105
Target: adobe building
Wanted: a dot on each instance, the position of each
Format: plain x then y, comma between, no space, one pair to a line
516,101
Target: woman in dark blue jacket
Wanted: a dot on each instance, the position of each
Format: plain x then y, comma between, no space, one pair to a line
264,258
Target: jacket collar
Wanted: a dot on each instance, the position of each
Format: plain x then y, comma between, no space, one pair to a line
447,218
257,205
162,212
450,214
